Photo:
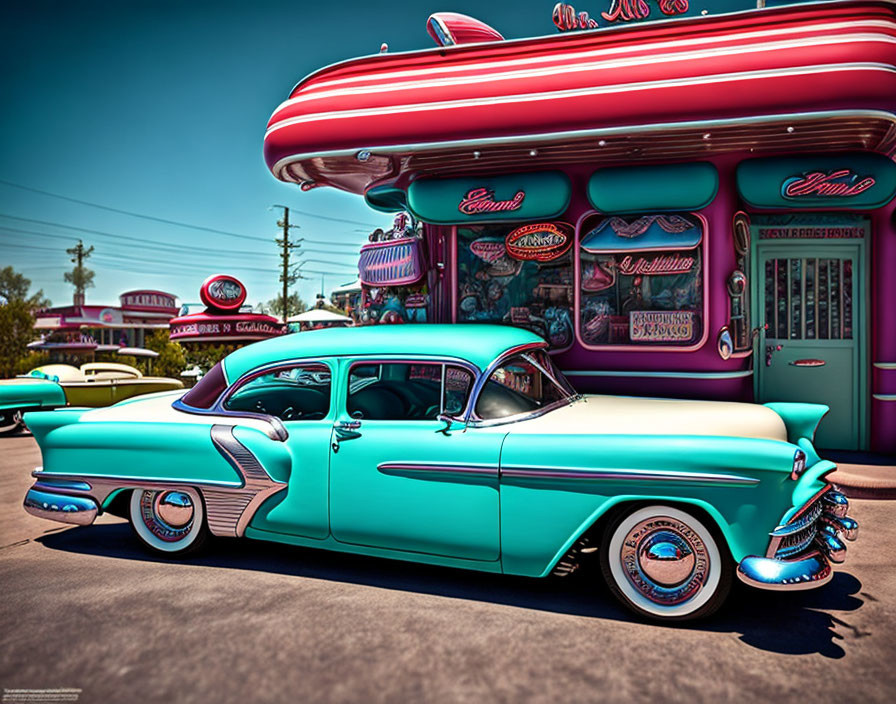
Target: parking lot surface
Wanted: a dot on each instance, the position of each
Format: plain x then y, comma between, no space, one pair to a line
87,608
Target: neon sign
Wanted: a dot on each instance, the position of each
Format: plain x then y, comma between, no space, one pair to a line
840,183
222,292
658,266
541,242
566,18
482,200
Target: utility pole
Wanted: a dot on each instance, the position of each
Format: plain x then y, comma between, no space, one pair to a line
287,276
80,277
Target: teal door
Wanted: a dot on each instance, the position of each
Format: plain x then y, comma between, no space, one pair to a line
404,485
402,480
811,308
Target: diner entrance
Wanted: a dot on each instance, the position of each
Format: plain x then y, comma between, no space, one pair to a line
811,315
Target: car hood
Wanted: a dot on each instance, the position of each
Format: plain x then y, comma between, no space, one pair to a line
627,415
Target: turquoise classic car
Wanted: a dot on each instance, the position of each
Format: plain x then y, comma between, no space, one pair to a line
458,445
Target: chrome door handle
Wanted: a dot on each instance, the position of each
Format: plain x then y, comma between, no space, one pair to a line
807,363
345,430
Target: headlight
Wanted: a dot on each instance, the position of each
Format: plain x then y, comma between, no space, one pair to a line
799,464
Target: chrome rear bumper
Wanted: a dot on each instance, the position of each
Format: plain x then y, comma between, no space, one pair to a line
79,510
801,551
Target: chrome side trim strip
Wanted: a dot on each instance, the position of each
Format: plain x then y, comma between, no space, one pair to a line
664,375
230,510
626,475
402,468
885,365
884,397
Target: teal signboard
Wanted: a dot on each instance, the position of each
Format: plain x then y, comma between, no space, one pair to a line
511,197
854,180
645,189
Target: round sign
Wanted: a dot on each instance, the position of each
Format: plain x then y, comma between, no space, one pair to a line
540,242
222,292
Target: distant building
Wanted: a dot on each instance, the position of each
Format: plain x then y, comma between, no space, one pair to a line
79,330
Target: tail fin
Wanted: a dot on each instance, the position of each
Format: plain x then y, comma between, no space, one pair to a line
40,423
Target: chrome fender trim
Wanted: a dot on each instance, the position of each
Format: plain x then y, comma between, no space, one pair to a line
811,571
229,510
78,510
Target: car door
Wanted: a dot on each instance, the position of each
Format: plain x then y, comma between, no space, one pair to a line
400,479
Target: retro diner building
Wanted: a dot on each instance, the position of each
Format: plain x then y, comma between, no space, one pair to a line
78,330
685,200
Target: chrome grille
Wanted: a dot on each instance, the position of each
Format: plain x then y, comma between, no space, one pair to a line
799,534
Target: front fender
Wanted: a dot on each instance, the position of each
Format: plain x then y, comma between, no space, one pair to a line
742,483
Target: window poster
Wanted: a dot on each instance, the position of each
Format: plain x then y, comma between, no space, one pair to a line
518,275
642,281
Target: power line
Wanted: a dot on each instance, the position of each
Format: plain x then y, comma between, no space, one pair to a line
140,240
154,244
165,220
131,213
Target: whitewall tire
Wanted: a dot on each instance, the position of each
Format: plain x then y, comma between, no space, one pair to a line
168,521
664,563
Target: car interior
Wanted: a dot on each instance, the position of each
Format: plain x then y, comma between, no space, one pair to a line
392,394
291,394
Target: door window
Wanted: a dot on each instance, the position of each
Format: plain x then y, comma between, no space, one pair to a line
809,298
298,392
407,390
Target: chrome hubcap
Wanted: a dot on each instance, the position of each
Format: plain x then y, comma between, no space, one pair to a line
665,560
167,514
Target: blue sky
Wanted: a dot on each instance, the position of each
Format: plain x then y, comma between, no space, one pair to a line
159,108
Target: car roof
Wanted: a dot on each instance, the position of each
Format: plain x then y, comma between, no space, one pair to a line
477,344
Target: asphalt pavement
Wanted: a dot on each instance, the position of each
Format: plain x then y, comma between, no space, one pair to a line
86,609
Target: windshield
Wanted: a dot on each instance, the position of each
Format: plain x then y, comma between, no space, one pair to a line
523,383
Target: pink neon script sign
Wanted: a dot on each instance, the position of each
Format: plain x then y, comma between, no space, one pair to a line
841,183
482,200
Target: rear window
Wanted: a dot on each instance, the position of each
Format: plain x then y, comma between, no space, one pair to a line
207,389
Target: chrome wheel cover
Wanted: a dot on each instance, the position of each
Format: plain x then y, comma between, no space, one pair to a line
665,560
168,515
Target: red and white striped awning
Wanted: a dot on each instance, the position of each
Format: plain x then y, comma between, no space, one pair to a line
675,89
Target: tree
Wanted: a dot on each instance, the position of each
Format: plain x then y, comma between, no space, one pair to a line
171,360
15,286
294,306
16,320
16,331
80,277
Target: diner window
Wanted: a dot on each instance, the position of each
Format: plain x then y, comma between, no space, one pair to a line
295,393
407,390
641,281
528,284
525,383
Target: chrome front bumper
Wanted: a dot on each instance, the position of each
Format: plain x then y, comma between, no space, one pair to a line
79,510
801,551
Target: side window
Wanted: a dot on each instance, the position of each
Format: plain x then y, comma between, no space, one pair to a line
524,383
300,392
407,390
